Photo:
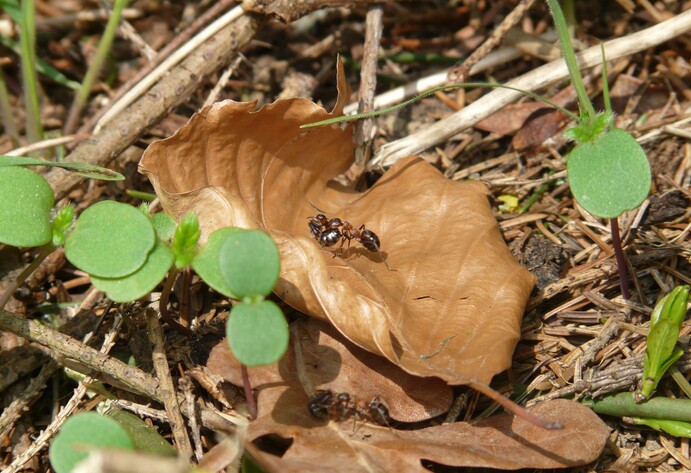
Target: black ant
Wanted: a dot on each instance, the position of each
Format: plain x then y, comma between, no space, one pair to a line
48,293
325,404
328,232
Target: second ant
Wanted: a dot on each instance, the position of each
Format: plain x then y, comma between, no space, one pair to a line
325,404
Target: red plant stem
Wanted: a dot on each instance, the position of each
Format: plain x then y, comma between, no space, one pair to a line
251,403
621,261
517,410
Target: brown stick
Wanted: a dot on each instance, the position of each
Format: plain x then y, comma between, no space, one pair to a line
65,347
166,388
368,82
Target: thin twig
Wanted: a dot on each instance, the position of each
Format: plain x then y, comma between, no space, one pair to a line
65,347
175,44
368,82
14,411
166,388
460,72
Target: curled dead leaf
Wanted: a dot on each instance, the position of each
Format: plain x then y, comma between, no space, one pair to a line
443,298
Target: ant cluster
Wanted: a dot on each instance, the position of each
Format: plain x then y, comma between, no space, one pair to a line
325,404
329,231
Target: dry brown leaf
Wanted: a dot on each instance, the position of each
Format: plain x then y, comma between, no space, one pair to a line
449,300
329,361
501,441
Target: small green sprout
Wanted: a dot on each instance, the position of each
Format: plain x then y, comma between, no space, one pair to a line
662,352
185,240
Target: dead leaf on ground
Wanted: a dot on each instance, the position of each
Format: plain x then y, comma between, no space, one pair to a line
501,441
329,361
450,302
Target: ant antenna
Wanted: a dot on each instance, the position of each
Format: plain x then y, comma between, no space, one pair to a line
517,410
315,207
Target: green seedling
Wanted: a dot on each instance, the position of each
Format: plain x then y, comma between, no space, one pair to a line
662,352
127,254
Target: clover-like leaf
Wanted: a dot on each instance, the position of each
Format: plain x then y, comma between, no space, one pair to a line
610,175
250,263
26,200
84,432
257,333
110,240
142,281
207,262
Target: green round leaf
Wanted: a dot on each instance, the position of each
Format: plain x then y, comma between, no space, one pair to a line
609,176
142,281
257,333
206,263
110,240
81,433
250,263
26,200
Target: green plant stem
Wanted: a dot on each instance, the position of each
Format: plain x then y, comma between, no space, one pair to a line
6,112
427,93
535,196
247,386
623,404
94,68
45,251
34,130
586,106
621,261
163,304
